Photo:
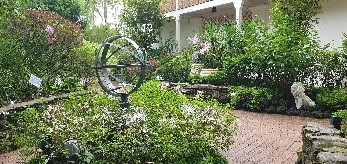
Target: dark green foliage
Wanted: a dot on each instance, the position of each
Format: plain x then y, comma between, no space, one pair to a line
252,98
69,9
332,98
175,68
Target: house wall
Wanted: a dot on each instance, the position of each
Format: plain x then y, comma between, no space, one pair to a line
189,27
332,22
168,30
262,12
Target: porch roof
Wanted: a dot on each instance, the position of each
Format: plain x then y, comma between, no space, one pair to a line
185,6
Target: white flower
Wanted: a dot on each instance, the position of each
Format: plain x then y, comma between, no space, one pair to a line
50,130
58,81
172,120
139,117
145,129
188,109
82,82
163,120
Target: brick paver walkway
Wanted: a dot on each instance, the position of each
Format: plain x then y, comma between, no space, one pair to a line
267,138
261,139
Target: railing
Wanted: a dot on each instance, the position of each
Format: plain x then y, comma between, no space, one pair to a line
170,5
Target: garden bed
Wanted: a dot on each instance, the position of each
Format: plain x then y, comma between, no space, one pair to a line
254,99
9,114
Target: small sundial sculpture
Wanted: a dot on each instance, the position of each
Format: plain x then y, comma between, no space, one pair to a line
120,66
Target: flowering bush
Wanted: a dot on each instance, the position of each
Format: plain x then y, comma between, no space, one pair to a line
160,127
216,43
40,43
194,128
199,48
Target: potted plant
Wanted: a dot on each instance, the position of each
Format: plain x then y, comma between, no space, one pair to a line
337,118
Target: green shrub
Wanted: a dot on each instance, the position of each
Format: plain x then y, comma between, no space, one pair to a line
225,41
280,53
213,79
44,44
252,98
332,98
98,34
160,127
191,143
84,59
175,69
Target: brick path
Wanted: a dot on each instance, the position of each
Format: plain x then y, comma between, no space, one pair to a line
267,138
261,139
11,158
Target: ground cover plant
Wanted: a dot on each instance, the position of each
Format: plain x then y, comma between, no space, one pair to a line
161,127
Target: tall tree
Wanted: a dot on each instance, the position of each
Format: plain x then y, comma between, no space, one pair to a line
69,9
137,13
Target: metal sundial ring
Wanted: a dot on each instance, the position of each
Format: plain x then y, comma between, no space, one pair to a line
109,65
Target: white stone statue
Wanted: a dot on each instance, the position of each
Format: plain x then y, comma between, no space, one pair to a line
298,91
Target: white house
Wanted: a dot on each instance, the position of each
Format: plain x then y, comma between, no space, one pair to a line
189,16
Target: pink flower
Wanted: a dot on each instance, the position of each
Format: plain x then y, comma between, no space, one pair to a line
52,40
193,40
49,30
205,47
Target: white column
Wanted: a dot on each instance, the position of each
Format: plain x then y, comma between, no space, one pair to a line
178,33
178,28
238,7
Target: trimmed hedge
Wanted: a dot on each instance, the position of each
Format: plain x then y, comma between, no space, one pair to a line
252,98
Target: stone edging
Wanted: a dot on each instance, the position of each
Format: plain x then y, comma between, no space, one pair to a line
218,92
322,145
36,102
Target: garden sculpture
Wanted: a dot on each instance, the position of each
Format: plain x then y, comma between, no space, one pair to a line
298,91
120,65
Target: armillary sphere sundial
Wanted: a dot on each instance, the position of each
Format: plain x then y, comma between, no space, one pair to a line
120,66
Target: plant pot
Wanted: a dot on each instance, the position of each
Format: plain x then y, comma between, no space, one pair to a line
207,72
196,69
336,122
